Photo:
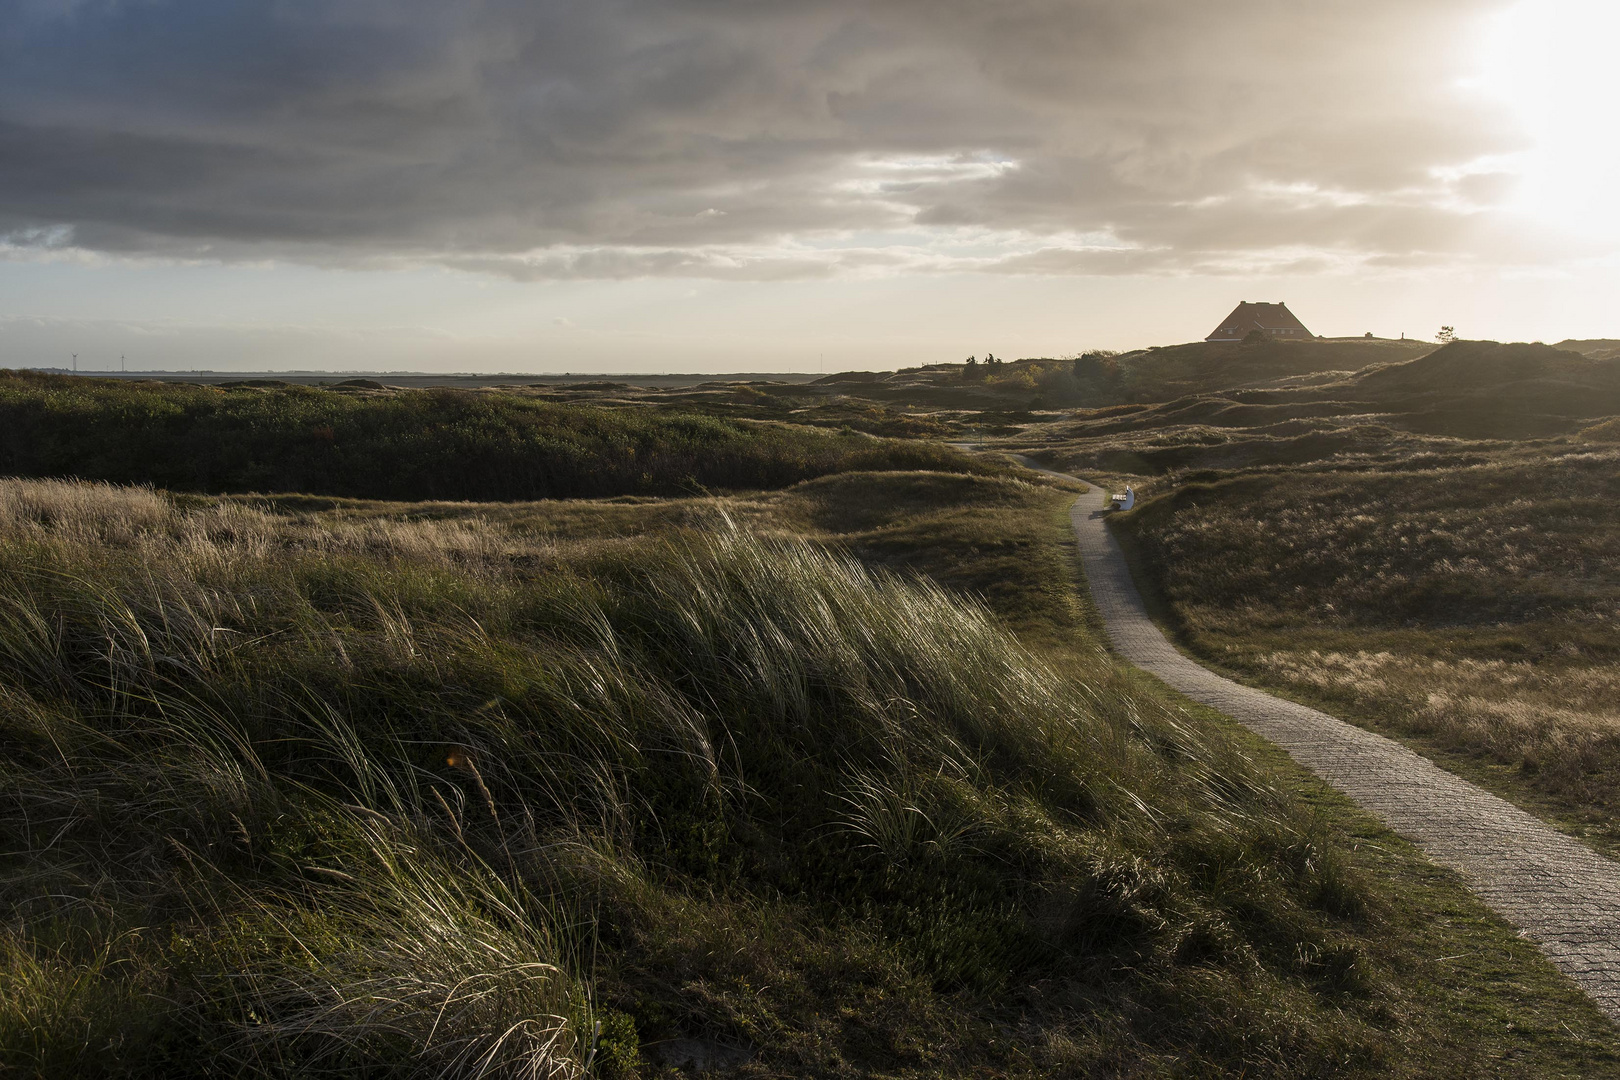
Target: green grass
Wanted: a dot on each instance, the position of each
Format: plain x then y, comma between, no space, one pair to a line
410,444
323,785
990,539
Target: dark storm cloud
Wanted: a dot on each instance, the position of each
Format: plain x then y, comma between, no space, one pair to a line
738,138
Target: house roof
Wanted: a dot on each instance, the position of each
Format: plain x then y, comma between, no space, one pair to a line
1270,318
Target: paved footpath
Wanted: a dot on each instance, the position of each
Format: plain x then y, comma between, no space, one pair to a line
1558,892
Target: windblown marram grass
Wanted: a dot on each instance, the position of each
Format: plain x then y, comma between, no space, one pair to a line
284,796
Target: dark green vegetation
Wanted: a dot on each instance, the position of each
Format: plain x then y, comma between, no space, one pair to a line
1166,374
1458,404
312,785
409,444
1480,389
990,395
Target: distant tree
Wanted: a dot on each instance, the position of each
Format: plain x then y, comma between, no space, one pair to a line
1256,337
1446,334
972,361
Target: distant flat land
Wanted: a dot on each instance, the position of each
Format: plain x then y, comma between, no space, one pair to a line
417,379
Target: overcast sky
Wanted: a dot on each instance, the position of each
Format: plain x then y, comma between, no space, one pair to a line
535,185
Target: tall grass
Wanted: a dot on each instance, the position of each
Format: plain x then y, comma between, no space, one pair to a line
278,800
1472,605
1556,722
410,444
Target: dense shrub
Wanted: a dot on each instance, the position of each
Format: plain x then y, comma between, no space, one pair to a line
409,444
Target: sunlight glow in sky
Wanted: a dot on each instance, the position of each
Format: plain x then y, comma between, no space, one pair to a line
1551,63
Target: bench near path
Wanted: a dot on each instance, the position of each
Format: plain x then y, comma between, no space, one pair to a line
1558,892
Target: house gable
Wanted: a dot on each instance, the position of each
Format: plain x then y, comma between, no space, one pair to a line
1274,320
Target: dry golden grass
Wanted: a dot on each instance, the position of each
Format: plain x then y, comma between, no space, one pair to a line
80,514
1474,606
1558,723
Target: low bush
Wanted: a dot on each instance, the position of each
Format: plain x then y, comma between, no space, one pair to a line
410,444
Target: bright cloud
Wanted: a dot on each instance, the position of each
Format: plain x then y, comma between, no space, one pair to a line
735,139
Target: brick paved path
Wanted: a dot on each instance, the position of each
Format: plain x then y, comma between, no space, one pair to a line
1558,892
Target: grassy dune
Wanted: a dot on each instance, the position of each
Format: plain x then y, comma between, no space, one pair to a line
352,789
409,444
1201,367
283,797
1466,402
1471,606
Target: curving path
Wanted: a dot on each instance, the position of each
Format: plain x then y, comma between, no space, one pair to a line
1559,893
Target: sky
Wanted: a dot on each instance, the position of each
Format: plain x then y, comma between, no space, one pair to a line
770,185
